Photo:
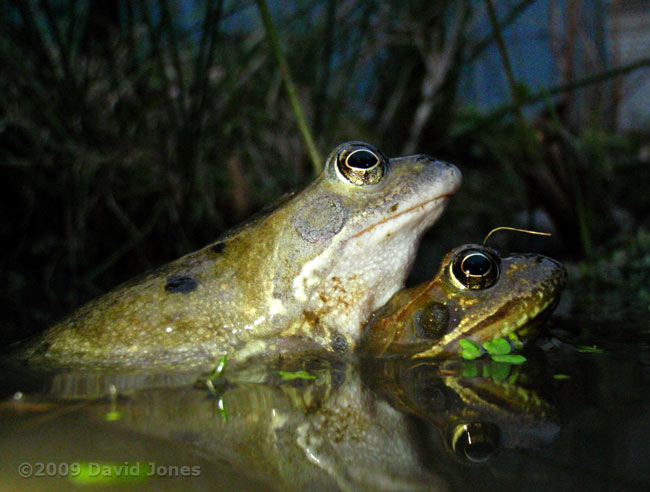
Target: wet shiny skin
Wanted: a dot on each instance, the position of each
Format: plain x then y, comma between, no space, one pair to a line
309,273
503,295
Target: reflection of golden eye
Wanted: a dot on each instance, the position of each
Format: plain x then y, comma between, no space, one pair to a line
475,442
475,269
360,165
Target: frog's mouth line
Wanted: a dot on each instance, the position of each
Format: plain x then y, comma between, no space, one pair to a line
529,318
520,326
439,202
544,311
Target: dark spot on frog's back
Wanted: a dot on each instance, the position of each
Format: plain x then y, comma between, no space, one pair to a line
218,248
181,283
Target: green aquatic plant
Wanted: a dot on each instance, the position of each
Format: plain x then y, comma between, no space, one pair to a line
589,349
289,376
471,350
216,384
498,346
509,358
499,349
215,380
217,372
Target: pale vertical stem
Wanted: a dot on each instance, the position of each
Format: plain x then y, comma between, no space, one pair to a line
316,161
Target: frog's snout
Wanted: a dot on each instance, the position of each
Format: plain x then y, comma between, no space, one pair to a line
560,274
450,174
556,273
443,167
457,176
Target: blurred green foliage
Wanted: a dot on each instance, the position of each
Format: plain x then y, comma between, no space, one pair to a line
615,284
132,132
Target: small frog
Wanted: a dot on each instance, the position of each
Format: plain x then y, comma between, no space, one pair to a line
307,274
477,295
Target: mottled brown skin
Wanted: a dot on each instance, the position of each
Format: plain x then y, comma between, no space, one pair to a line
306,274
430,319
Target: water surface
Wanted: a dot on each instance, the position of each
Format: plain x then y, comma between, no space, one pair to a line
575,416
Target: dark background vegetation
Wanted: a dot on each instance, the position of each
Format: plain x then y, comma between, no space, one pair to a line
132,132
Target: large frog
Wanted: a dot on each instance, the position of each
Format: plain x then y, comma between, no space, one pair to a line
308,274
477,295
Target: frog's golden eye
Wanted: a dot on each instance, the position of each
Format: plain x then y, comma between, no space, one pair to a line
475,269
360,165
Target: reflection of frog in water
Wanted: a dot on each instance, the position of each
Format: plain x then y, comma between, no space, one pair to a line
308,273
477,295
298,424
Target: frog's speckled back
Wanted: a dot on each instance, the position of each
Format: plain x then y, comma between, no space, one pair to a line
308,273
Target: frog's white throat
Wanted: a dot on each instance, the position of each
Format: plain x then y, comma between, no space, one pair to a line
362,272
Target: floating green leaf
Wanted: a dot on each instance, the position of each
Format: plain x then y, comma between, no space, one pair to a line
288,376
589,349
471,350
561,376
498,346
509,358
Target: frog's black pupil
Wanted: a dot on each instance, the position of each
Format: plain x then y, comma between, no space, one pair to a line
362,159
476,264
